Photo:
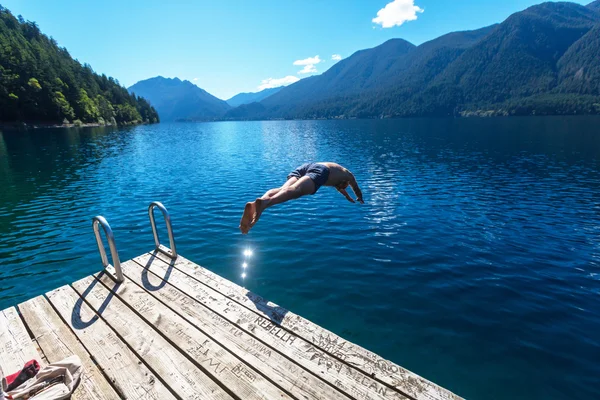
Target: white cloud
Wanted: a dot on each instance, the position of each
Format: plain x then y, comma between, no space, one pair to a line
308,64
396,13
308,61
276,82
336,57
195,79
308,69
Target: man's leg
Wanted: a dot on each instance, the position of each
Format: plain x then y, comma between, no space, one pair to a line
270,193
302,187
250,209
273,192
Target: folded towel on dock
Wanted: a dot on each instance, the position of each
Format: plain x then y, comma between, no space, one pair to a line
55,381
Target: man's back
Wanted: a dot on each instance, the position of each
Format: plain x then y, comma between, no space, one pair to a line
337,174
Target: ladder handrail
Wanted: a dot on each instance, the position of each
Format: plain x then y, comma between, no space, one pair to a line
98,221
172,252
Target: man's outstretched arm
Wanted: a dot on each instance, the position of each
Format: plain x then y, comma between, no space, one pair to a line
345,194
356,190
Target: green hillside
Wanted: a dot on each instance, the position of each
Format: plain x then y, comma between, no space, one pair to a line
40,82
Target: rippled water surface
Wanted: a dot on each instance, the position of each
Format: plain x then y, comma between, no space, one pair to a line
475,261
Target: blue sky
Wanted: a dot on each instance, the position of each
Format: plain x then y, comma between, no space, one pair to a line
232,46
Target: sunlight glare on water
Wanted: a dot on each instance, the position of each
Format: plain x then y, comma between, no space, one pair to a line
247,254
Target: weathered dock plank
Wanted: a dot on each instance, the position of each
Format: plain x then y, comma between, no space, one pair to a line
351,381
286,373
204,351
324,342
176,371
58,342
125,370
16,347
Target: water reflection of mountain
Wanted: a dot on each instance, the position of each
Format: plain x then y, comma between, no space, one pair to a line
40,170
34,162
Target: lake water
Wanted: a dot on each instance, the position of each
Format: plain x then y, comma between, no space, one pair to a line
475,260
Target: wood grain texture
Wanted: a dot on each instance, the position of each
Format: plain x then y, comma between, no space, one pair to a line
58,342
16,347
204,352
125,370
285,372
324,341
178,372
338,374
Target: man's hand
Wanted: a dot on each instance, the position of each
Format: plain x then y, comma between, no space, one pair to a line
346,195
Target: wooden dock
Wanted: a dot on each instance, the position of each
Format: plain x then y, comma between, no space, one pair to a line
174,330
161,327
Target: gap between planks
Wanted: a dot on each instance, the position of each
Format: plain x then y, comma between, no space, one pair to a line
16,345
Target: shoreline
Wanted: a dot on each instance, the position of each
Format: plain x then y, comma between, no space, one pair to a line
33,125
485,115
41,125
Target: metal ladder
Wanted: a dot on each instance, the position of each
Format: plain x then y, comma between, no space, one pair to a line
100,221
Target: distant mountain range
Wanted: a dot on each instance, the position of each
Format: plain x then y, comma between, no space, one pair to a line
543,60
177,100
245,98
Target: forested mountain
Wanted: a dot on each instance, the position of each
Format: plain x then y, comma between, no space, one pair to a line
177,100
370,73
245,98
595,5
543,60
519,58
578,68
40,82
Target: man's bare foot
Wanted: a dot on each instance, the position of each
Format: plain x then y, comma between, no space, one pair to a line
249,212
259,208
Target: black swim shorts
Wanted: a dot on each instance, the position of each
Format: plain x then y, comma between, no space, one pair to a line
319,173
